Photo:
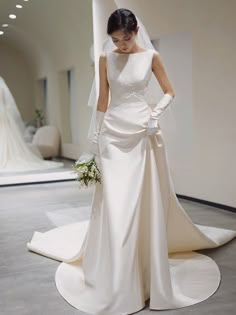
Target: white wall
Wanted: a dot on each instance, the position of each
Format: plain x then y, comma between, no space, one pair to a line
71,30
17,73
212,24
54,36
178,142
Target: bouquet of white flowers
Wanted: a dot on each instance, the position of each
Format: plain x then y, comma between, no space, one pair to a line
87,170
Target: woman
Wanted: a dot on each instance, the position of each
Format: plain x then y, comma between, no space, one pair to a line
139,241
15,155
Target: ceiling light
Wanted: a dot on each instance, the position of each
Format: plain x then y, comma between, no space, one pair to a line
12,16
4,25
19,6
1,32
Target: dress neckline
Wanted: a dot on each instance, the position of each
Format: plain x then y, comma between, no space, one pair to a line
136,53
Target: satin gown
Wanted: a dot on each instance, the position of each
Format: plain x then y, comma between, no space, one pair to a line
139,242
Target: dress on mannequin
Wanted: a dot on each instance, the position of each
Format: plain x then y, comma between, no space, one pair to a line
139,242
15,155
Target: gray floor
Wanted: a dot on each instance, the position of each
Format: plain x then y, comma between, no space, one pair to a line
39,176
27,279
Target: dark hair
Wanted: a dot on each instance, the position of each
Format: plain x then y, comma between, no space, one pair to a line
122,20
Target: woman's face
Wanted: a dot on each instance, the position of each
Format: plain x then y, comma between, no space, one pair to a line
124,41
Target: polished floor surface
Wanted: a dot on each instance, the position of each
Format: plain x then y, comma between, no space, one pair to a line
27,284
39,176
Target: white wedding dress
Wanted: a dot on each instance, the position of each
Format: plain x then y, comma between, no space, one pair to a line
139,242
15,154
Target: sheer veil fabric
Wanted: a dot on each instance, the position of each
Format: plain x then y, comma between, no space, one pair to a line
15,154
11,105
139,243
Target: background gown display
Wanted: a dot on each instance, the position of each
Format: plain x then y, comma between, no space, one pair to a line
139,242
15,155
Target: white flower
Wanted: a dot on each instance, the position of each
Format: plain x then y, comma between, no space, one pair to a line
87,171
84,169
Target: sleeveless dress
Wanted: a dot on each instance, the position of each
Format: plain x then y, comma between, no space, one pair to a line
139,242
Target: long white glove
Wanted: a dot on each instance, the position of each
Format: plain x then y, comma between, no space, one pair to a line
153,123
94,147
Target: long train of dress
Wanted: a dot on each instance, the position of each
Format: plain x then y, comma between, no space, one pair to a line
139,242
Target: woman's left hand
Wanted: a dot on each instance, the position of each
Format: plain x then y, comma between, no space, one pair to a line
152,126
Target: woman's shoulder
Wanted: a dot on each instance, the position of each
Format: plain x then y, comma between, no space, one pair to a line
155,56
155,52
102,57
103,60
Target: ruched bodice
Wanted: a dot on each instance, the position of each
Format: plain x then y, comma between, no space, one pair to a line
128,112
128,76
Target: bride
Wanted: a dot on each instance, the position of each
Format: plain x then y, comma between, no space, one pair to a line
15,155
139,242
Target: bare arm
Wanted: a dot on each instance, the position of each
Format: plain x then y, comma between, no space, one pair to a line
103,85
160,73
